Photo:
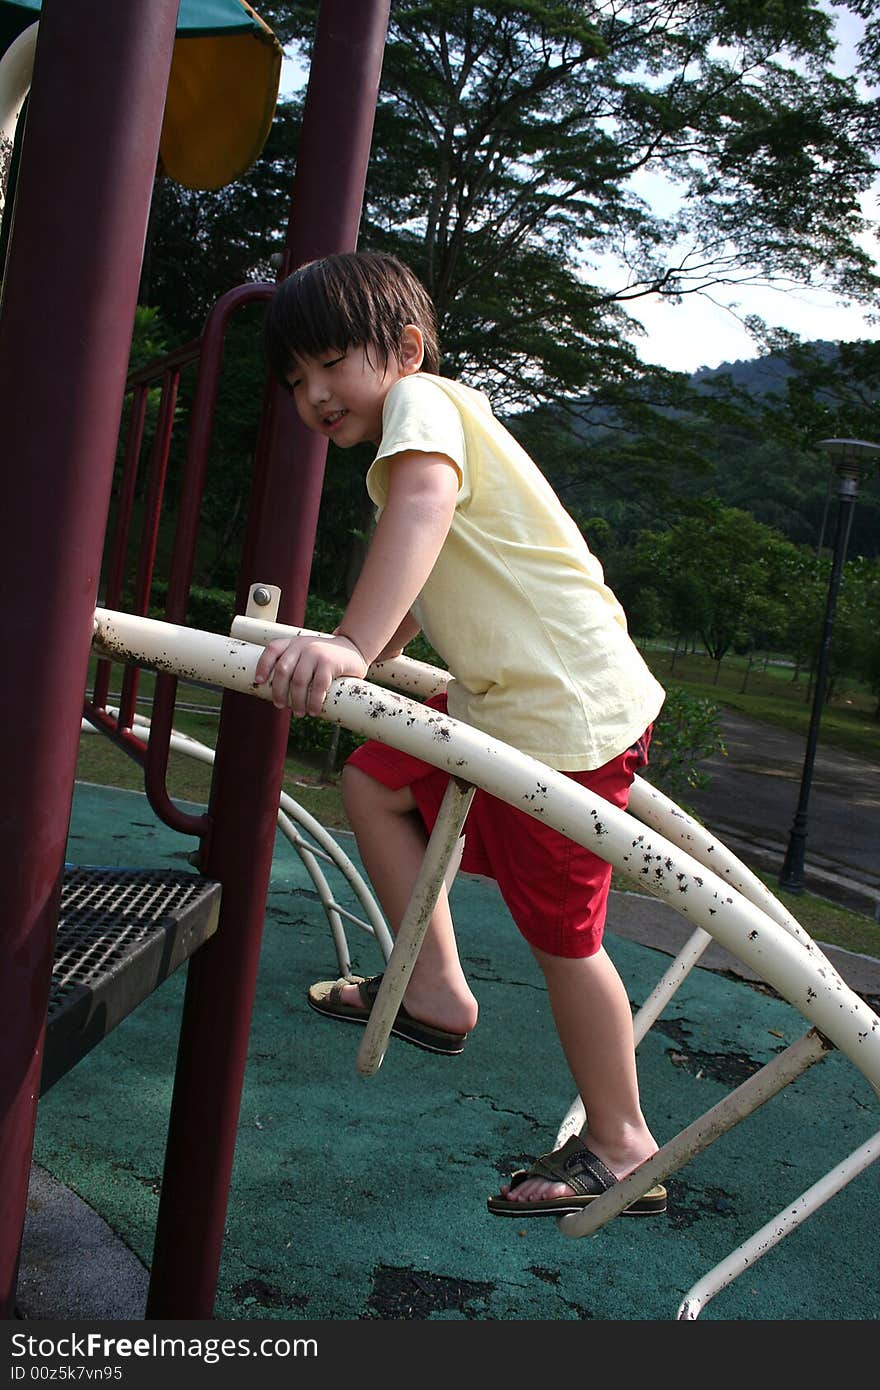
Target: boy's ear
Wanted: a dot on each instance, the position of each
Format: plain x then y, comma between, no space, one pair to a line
412,349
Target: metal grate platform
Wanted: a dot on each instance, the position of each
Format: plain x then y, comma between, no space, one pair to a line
121,933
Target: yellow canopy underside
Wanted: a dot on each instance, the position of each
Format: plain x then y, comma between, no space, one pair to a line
221,101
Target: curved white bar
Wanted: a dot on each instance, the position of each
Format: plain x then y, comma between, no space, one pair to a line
645,801
402,672
657,810
774,1230
291,815
794,967
16,70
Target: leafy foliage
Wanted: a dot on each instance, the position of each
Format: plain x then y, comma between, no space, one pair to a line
518,146
687,731
722,574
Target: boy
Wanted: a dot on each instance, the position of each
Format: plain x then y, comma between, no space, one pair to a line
472,545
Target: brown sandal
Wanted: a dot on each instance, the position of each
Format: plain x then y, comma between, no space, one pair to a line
575,1165
325,998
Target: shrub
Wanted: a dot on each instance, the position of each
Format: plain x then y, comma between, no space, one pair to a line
686,731
212,610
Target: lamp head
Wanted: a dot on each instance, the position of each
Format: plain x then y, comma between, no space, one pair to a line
852,458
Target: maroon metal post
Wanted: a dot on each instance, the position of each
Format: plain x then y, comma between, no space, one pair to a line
327,198
69,296
325,213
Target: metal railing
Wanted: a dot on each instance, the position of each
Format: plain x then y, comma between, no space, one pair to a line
723,899
163,374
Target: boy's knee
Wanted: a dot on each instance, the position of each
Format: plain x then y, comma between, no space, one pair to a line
354,785
364,796
360,791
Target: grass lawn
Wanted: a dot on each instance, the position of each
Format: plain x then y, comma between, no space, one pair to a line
770,693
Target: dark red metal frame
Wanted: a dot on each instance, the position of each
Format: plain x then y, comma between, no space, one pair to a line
206,353
61,402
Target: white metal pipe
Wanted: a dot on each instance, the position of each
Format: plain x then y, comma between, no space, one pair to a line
442,845
654,808
289,815
795,968
671,980
646,801
782,1225
786,1067
325,896
375,923
402,672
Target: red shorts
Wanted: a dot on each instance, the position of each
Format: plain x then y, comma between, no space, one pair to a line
555,890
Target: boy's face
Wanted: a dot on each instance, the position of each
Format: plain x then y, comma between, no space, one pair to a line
341,394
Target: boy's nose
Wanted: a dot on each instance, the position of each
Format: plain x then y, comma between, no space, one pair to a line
319,390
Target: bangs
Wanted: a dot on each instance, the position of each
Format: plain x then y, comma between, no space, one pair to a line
317,313
359,299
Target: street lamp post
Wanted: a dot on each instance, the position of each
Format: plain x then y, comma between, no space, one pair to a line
852,460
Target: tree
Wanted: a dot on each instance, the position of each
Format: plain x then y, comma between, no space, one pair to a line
805,594
202,243
516,155
720,572
756,426
518,147
855,642
515,144
832,395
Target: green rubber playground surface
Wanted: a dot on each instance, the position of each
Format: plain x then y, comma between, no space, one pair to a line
364,1198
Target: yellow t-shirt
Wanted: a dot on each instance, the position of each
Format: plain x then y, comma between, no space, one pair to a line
516,604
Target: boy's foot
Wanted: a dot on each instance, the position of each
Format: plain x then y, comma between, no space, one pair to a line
351,1000
566,1181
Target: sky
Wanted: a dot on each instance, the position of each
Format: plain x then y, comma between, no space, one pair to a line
705,330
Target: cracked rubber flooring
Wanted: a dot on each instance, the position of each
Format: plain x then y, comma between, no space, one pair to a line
357,1198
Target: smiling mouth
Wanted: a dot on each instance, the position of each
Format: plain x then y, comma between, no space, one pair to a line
334,418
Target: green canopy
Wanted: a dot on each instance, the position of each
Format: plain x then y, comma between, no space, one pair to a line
221,93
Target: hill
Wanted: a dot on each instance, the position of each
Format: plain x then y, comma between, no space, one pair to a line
637,457
766,375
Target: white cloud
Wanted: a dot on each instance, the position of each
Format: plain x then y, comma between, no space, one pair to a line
700,333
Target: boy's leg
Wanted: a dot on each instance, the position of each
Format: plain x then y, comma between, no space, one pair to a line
594,1022
391,839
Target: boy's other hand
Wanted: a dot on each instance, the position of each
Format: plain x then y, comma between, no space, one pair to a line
301,670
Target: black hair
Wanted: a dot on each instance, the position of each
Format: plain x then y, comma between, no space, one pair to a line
354,299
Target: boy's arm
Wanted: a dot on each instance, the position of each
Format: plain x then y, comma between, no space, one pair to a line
409,535
408,629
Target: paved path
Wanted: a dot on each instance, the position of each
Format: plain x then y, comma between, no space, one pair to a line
752,798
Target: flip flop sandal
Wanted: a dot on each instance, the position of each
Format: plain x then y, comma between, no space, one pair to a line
325,998
577,1166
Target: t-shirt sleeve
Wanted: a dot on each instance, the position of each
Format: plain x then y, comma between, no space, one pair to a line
418,417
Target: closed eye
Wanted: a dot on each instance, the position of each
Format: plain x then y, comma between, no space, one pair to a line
294,382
